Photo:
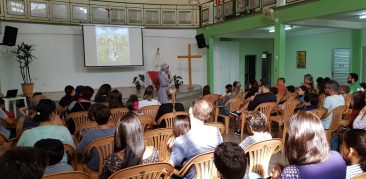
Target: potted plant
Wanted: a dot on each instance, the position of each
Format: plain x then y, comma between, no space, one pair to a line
23,55
138,81
178,81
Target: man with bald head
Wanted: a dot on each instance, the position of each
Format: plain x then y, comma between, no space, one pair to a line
201,138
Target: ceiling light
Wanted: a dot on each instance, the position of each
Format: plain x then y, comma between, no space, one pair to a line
287,27
362,16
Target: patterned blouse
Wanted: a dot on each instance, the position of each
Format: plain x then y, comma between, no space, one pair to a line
112,163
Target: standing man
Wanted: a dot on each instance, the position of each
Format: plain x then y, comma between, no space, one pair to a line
352,80
164,81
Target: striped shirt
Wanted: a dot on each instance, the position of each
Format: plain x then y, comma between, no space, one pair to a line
193,143
353,170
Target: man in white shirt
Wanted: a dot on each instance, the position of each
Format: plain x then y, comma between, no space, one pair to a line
201,138
332,101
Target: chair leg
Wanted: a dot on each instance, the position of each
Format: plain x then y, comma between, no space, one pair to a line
227,120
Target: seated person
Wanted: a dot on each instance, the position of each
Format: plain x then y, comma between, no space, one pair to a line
148,98
181,126
116,100
257,124
307,151
230,161
5,124
47,115
171,106
301,92
281,84
354,142
357,103
55,151
290,94
274,90
104,90
68,98
225,98
26,121
23,163
129,147
206,90
311,101
132,103
252,90
263,97
100,113
2,106
201,138
83,102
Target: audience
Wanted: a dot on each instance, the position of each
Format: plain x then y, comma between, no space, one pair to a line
237,90
171,106
104,90
23,163
308,82
133,103
206,90
6,123
181,126
301,92
253,89
344,90
332,101
357,103
311,101
129,147
263,97
320,87
257,124
55,151
68,98
26,121
354,151
280,85
101,115
201,138
360,121
230,161
307,151
47,116
115,100
148,98
83,102
225,98
352,81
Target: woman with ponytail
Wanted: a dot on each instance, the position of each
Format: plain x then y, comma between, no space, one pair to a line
49,127
354,151
129,147
171,106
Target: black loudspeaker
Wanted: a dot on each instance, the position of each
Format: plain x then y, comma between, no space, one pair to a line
10,36
200,38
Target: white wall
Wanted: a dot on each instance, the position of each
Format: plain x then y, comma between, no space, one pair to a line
60,59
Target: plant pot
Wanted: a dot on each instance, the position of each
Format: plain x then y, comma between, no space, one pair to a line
27,89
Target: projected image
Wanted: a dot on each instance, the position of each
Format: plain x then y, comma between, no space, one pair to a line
112,46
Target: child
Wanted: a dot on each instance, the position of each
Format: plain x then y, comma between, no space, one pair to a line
133,103
181,126
311,101
68,98
257,123
55,151
354,152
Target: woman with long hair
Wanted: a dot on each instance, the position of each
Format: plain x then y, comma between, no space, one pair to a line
116,100
354,151
129,147
104,90
307,151
148,98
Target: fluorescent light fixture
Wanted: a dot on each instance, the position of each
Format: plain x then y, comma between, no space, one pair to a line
272,29
362,16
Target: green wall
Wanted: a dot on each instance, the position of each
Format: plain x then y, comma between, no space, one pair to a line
253,47
318,54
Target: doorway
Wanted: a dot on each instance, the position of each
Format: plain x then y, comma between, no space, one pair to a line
267,66
249,69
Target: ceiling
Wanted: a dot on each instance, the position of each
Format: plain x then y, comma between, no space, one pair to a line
326,24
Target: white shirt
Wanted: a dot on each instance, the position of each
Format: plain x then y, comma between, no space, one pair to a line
148,103
256,137
360,122
353,170
330,103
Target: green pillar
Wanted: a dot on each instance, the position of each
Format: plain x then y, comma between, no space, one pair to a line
210,63
279,52
357,54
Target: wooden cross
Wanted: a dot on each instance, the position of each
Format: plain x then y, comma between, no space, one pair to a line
190,56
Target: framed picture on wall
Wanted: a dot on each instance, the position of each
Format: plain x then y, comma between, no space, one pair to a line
301,59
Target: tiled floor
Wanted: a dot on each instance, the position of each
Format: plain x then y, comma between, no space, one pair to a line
276,158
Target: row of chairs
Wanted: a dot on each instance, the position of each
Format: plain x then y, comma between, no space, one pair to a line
259,157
